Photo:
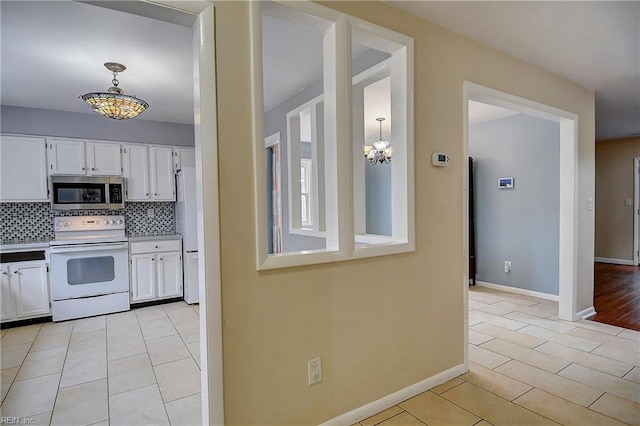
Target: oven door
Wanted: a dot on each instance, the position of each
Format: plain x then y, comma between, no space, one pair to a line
89,270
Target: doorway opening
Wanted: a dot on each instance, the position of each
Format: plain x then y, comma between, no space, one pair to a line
568,211
200,16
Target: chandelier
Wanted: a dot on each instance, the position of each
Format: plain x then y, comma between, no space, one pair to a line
380,152
114,103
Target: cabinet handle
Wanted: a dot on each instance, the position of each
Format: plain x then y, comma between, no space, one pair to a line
4,272
160,258
155,194
15,272
147,194
157,246
153,259
94,169
84,168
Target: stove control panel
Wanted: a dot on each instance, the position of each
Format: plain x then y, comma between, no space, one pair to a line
88,223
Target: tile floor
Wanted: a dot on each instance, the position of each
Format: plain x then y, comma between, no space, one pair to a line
140,367
527,368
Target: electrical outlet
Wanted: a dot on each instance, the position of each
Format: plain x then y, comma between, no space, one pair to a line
315,371
151,213
507,266
627,202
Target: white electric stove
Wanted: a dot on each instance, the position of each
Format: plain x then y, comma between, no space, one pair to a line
89,266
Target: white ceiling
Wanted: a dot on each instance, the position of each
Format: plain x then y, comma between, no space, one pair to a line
290,59
595,44
54,51
481,113
60,46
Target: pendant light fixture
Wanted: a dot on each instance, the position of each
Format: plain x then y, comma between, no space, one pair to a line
380,152
114,103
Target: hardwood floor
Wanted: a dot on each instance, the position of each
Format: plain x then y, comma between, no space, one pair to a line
617,295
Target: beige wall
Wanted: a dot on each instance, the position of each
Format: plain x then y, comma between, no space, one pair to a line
376,332
614,183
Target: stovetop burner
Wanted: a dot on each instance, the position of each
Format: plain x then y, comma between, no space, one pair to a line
88,229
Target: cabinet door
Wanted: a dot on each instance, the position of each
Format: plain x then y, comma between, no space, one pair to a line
30,289
185,157
7,305
66,157
23,169
169,274
143,277
104,159
163,186
136,172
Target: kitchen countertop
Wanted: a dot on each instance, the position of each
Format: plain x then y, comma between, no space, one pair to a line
27,245
154,237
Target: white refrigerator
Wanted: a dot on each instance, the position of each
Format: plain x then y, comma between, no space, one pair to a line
187,226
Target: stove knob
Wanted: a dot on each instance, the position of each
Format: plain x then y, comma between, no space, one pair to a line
113,222
67,223
120,221
60,223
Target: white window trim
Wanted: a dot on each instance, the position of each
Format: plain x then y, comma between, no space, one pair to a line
293,156
307,164
272,140
400,67
337,83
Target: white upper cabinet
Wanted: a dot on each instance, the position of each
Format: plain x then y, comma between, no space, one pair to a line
163,185
136,172
103,159
184,157
76,157
149,173
66,157
23,169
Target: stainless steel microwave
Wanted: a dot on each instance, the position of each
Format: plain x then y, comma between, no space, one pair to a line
87,193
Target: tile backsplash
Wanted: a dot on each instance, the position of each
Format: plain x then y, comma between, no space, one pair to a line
34,221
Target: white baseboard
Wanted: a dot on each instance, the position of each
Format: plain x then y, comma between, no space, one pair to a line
586,313
385,402
614,261
518,291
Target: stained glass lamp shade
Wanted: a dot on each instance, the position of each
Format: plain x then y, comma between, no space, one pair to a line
115,103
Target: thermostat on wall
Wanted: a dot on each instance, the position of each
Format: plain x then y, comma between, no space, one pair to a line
440,159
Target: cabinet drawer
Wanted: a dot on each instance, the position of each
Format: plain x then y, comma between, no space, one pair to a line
155,246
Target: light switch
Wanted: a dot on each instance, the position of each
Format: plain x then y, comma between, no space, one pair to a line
590,204
627,202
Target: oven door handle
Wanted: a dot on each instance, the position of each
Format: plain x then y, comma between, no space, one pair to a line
88,247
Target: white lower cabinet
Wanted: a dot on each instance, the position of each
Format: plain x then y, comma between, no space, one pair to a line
143,274
169,275
156,270
24,290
